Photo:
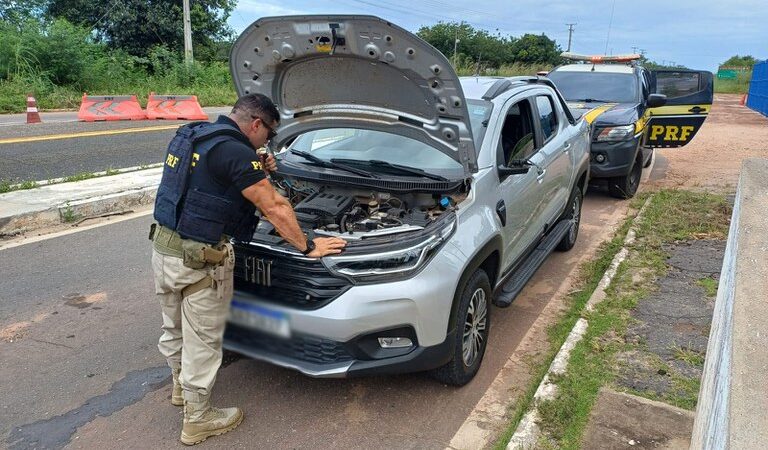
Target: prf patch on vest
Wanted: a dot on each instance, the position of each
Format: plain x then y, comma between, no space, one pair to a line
172,161
256,165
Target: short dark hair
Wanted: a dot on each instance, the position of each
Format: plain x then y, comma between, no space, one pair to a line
256,105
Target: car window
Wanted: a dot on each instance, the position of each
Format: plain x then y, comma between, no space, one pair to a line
547,117
517,138
677,84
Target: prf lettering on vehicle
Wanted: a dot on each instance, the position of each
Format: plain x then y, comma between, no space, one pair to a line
671,132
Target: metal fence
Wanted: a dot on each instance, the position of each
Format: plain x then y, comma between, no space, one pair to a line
758,89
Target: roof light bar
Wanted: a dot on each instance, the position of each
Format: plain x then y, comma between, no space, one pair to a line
600,58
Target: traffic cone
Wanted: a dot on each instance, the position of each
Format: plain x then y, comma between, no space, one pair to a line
33,116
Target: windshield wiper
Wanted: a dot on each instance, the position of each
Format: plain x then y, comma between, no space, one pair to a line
332,164
590,100
396,167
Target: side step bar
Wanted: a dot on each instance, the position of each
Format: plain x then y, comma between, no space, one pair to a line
517,280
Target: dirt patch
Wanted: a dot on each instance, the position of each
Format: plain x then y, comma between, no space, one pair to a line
84,301
621,421
671,327
712,161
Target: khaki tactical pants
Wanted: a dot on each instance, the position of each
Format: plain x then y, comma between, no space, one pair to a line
193,326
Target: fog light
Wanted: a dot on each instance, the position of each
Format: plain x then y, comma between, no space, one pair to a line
600,158
394,342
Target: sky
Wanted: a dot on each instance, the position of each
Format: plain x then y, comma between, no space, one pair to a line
697,34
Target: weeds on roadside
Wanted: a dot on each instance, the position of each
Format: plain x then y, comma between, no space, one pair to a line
68,215
79,177
669,217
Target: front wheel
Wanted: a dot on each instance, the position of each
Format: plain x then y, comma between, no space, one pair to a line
573,215
473,322
626,186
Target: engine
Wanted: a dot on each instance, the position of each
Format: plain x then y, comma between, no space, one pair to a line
335,212
341,213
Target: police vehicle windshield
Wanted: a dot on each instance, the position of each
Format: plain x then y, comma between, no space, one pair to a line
595,86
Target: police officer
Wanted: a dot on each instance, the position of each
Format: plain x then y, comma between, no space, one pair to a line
212,183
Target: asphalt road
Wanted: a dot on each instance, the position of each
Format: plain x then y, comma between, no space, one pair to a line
61,146
80,367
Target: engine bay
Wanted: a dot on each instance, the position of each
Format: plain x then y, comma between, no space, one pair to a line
358,214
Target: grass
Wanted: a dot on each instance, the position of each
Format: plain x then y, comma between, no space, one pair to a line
69,215
6,186
689,356
593,360
738,86
590,274
710,286
211,83
79,177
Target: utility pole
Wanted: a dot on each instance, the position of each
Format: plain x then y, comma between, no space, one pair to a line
634,50
187,34
570,33
456,44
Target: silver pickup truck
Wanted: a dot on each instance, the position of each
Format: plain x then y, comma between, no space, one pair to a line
450,191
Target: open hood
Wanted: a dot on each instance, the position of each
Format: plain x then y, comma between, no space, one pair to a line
357,72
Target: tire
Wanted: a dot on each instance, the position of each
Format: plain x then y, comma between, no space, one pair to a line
650,160
472,316
574,215
626,186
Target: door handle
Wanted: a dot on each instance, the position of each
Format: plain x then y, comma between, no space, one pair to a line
501,210
696,109
566,147
541,174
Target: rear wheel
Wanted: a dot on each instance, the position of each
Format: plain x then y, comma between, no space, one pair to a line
574,216
626,186
473,321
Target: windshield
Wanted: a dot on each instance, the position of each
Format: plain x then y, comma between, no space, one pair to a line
366,145
603,87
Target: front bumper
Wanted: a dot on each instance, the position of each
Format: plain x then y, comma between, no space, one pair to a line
619,157
322,358
339,339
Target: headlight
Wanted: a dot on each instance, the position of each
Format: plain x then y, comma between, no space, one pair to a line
396,264
613,134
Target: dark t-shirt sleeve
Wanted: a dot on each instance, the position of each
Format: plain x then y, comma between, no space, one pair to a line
235,163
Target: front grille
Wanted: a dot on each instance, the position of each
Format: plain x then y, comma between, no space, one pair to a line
295,282
305,348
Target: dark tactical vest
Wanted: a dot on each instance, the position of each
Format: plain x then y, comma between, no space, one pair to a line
189,200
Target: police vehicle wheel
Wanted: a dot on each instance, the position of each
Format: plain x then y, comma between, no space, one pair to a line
650,160
473,322
626,186
574,216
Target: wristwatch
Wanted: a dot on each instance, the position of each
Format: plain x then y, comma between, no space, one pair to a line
310,247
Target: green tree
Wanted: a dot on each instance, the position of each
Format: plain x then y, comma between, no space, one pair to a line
136,26
740,61
480,48
16,13
536,49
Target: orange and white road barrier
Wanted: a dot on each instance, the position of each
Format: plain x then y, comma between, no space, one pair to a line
174,107
115,107
33,115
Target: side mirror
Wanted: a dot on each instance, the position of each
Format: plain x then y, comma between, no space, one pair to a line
656,100
505,171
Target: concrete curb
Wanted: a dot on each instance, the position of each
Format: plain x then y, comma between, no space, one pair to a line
105,173
528,431
55,204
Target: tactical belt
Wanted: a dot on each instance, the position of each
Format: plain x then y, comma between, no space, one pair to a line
169,242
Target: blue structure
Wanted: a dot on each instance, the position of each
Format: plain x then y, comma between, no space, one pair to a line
758,89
